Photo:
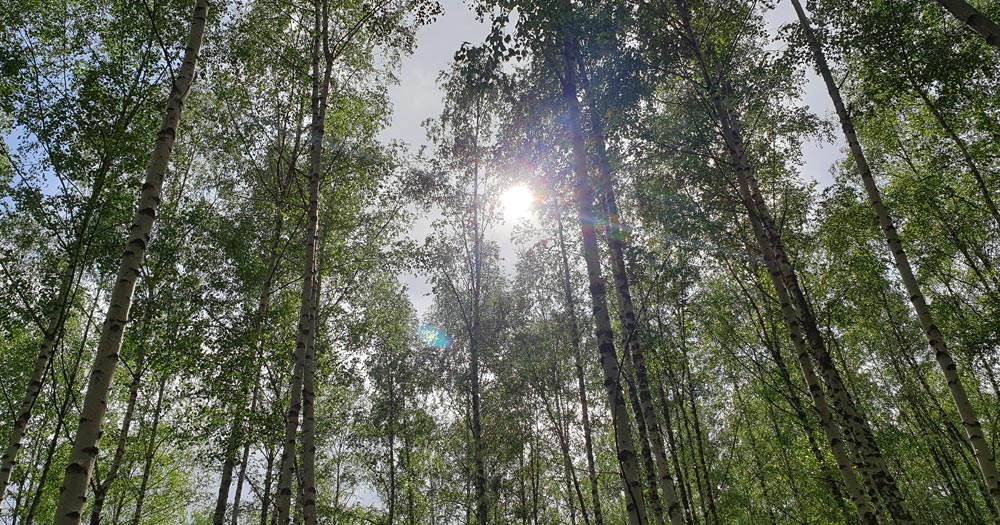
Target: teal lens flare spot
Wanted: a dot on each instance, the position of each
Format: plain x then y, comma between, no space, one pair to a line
433,336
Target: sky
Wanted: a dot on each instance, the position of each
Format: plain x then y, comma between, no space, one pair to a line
417,98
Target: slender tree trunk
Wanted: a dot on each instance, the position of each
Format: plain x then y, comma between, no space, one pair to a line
922,423
265,497
73,494
411,517
522,491
117,513
787,287
535,482
147,468
226,480
263,307
628,321
758,473
43,473
302,376
828,476
59,312
482,503
391,438
844,464
787,466
688,437
577,348
309,415
866,512
242,474
672,442
479,464
973,18
584,194
735,150
30,479
68,400
574,482
561,428
299,515
963,148
655,507
696,422
983,452
870,461
101,492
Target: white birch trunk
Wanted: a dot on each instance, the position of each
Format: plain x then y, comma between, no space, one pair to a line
73,494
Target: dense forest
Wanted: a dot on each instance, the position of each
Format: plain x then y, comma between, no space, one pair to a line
205,238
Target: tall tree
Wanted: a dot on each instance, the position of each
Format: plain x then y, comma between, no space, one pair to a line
73,493
299,397
983,452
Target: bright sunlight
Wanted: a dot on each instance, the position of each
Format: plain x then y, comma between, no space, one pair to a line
516,202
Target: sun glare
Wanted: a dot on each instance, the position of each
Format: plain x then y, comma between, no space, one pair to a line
516,202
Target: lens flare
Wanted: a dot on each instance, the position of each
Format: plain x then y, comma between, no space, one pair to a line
433,336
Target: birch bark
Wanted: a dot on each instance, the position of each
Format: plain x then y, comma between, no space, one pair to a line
73,494
975,19
970,420
301,383
584,195
629,324
57,317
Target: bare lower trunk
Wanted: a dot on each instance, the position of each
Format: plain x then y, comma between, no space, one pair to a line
482,503
758,473
970,420
685,420
616,248
584,194
73,494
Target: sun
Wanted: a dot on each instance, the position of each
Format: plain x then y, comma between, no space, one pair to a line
516,202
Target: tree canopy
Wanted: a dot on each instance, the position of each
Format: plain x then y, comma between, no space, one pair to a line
644,308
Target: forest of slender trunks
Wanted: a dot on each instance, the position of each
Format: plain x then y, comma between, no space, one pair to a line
657,262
